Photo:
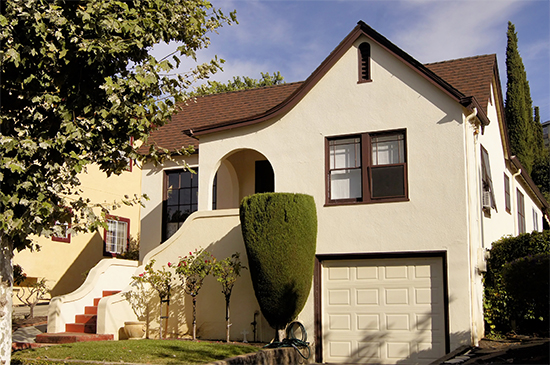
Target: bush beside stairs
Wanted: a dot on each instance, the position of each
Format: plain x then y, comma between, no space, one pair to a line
84,328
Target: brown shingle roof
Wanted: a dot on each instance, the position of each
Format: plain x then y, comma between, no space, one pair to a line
472,75
218,108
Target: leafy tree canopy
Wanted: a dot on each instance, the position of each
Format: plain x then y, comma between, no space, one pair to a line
238,83
78,85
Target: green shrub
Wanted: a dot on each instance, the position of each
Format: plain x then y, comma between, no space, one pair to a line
510,281
280,234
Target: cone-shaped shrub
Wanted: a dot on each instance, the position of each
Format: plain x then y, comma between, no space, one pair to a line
280,235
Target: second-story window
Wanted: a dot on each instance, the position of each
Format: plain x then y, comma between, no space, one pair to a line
368,168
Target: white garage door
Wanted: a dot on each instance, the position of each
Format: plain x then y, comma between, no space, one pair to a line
383,311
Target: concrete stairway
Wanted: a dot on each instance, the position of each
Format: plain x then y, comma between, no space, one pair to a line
84,328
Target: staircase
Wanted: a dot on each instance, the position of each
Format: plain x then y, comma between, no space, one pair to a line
84,328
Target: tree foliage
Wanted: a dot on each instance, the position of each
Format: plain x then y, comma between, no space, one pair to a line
280,234
192,270
78,86
238,83
511,259
524,132
227,271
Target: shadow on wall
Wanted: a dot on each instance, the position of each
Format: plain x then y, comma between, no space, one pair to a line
210,300
75,275
375,344
151,231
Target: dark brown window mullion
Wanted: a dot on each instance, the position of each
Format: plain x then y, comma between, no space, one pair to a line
366,156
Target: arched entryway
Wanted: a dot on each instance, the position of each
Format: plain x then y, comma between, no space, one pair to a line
241,173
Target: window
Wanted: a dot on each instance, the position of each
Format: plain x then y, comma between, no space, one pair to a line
368,168
181,188
65,236
117,235
535,220
488,197
521,213
364,62
507,200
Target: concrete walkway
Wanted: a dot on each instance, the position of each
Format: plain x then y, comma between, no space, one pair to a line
28,334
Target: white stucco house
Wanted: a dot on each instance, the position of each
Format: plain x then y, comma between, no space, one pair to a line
412,176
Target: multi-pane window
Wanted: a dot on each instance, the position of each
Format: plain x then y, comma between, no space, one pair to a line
507,200
521,212
345,168
117,235
367,168
180,199
488,197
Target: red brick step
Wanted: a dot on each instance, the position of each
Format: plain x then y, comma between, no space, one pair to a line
84,328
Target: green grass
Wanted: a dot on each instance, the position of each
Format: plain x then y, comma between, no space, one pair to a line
141,351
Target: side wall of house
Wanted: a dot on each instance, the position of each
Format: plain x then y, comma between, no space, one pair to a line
65,264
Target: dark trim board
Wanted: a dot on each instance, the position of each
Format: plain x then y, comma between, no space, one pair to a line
318,289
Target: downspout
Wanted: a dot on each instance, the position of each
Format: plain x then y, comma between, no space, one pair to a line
471,237
515,195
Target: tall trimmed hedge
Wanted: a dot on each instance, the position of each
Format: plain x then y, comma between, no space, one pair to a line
280,234
517,285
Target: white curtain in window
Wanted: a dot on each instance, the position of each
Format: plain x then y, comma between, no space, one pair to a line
115,241
345,153
345,184
345,166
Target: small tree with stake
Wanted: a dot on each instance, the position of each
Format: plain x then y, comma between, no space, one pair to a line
226,272
192,270
161,281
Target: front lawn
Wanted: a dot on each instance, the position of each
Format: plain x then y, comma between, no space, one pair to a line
140,351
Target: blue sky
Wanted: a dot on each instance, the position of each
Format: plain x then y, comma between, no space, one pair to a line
294,37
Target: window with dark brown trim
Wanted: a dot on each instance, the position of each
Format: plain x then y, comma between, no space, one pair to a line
507,200
521,212
367,168
117,235
488,198
364,62
180,199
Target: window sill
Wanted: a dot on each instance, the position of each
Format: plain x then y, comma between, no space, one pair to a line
377,201
364,81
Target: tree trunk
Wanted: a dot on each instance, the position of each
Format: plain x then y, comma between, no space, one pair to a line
194,318
6,304
227,324
281,334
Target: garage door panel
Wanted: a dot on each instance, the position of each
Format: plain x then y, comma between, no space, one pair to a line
383,311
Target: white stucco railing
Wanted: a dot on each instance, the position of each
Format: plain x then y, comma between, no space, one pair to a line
200,229
108,274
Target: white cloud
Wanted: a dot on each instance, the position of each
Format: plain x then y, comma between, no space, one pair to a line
436,31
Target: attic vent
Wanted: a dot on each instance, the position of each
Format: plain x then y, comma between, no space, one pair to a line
364,62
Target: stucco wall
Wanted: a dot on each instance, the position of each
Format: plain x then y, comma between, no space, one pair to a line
435,216
64,265
151,214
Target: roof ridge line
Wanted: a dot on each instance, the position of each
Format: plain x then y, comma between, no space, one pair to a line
249,89
461,58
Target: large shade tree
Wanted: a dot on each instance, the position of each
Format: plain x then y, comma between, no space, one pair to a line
78,86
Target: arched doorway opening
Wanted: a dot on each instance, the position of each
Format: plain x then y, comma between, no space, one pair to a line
241,173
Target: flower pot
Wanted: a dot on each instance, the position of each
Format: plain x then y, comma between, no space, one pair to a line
135,330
